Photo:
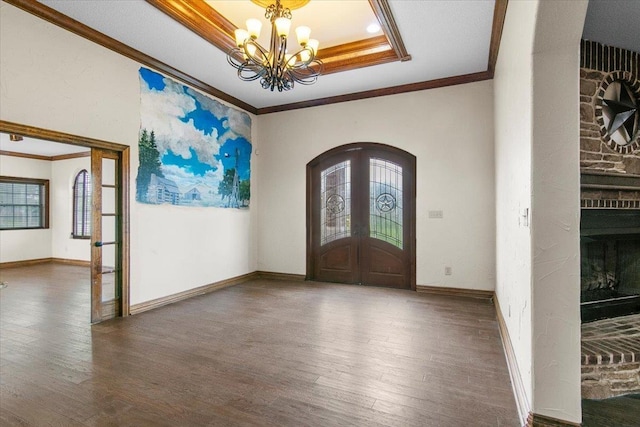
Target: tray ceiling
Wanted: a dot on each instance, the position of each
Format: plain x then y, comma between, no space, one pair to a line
449,42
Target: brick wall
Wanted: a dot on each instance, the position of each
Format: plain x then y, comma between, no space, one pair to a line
601,65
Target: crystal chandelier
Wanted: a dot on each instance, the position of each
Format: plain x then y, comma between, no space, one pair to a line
275,68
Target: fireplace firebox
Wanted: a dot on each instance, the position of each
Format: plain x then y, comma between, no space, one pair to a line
609,246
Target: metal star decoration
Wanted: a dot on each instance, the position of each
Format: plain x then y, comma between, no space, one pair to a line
623,112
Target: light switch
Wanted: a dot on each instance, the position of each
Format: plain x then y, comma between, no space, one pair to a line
435,214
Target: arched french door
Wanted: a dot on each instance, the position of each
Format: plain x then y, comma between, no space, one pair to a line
361,216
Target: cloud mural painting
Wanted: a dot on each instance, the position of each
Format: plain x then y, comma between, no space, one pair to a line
193,150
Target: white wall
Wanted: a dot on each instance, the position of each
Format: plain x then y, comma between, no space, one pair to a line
537,165
449,130
52,79
556,209
513,143
63,174
18,245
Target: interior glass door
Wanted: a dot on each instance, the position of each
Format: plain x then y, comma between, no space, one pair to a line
106,271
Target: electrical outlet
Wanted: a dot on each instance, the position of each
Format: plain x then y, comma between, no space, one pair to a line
436,214
447,271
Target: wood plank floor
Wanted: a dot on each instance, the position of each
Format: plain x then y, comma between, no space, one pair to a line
261,353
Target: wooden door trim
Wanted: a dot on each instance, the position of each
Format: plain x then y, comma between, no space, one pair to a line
411,247
96,230
124,179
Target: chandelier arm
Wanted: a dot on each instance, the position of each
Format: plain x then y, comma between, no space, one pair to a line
242,74
232,57
260,61
303,64
244,68
303,78
313,70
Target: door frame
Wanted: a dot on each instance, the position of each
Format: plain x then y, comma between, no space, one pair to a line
411,201
123,190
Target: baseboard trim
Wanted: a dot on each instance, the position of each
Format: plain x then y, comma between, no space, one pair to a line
180,296
36,261
454,292
524,410
287,277
24,263
78,262
537,420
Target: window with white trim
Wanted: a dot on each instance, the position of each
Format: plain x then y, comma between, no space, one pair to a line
24,203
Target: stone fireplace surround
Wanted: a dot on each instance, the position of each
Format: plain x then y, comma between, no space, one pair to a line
610,202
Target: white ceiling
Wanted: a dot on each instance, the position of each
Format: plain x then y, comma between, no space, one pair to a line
444,38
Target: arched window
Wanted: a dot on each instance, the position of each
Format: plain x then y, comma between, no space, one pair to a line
82,206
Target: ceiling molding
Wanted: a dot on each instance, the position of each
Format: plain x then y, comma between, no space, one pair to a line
71,156
499,14
202,19
53,16
383,12
431,84
47,158
25,155
37,9
358,54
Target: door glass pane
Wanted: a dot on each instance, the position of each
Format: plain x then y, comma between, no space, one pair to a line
108,200
109,273
108,171
109,228
335,202
385,201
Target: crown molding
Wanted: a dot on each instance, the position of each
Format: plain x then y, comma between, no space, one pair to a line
53,16
395,90
25,155
50,15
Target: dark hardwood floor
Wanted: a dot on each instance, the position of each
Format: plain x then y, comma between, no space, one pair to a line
260,353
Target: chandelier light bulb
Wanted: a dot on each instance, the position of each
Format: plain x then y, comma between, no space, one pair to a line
282,26
253,28
303,33
305,55
241,36
314,44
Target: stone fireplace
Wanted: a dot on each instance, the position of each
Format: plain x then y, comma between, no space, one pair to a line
610,220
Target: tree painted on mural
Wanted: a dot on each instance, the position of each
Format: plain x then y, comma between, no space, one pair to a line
149,163
241,195
244,193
